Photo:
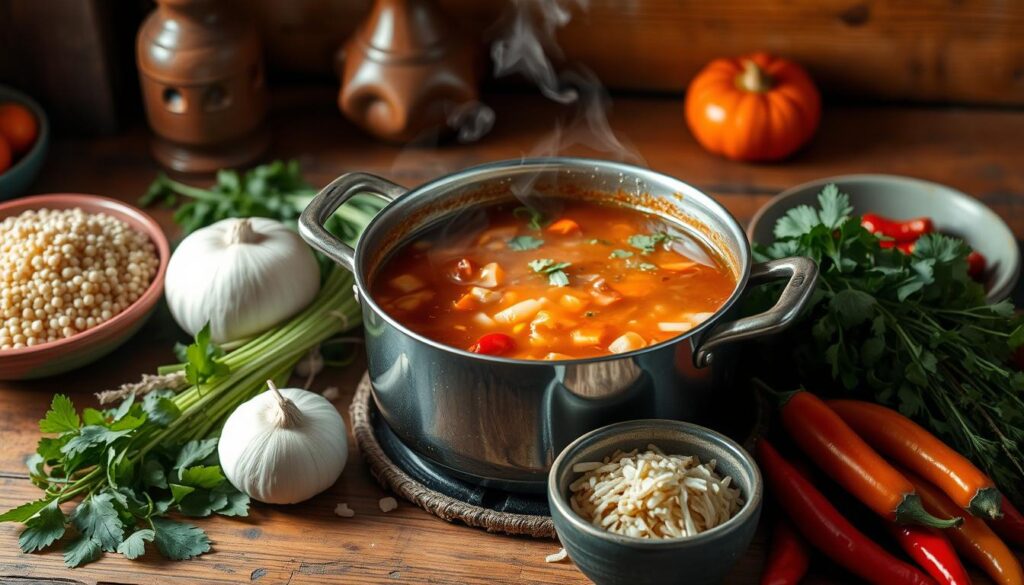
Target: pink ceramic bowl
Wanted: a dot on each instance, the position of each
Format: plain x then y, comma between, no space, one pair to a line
82,348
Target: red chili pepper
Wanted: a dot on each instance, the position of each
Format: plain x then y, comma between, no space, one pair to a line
899,230
826,529
976,265
932,552
1011,525
788,557
493,344
905,247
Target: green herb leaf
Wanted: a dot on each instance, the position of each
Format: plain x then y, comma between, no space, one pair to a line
160,408
204,476
96,517
853,307
647,266
646,243
534,217
43,529
558,278
620,254
523,243
202,359
61,418
554,270
81,551
153,474
178,491
194,452
134,546
25,511
179,541
237,505
91,436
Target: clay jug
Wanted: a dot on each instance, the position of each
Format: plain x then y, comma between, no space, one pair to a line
407,71
201,69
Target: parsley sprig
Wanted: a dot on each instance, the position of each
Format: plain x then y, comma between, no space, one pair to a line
913,332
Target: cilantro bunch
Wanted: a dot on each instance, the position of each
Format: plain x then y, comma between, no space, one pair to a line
913,332
132,465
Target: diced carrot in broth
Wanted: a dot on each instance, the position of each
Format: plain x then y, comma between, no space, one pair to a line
466,302
564,227
678,266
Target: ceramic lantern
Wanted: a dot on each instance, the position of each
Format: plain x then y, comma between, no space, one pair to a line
407,72
201,68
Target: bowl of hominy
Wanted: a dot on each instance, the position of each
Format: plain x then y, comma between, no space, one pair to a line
655,501
79,275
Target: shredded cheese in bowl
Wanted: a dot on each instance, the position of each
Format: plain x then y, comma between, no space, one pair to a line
653,495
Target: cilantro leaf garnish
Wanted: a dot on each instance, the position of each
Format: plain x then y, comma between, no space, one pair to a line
554,270
534,218
620,254
646,243
523,243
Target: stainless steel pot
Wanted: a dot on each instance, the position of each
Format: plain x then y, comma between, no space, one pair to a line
499,421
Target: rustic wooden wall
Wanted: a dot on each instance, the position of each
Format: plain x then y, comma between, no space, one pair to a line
967,51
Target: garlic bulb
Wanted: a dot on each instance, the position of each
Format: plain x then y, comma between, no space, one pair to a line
243,276
283,446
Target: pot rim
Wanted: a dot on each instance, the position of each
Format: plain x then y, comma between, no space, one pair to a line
470,174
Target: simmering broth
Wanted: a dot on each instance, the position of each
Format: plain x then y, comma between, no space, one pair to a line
580,279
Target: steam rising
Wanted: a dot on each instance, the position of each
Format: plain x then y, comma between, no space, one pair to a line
526,45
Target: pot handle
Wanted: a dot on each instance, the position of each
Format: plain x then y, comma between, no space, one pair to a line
803,275
328,200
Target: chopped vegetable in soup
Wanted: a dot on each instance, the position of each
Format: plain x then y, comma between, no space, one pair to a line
581,280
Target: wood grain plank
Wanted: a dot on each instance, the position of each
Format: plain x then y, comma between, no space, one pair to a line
969,51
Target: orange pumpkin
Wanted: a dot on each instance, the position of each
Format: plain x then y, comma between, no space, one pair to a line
754,108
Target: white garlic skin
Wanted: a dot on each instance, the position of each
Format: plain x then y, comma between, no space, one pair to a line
278,465
241,288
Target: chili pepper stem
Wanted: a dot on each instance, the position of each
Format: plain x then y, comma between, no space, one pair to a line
781,397
911,511
987,503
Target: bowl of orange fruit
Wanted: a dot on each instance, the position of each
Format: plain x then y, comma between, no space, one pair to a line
24,138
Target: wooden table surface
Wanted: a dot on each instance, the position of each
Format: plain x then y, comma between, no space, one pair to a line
976,150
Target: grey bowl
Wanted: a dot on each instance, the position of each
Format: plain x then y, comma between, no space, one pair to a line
17,179
954,213
612,559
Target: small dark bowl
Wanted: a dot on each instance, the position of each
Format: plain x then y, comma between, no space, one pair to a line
612,559
18,178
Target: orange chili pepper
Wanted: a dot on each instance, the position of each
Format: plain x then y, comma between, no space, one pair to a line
973,539
846,458
910,445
